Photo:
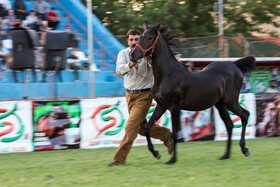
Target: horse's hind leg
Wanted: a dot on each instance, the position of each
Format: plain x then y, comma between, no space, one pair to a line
244,115
244,120
158,112
229,126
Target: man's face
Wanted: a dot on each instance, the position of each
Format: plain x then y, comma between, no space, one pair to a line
132,41
273,84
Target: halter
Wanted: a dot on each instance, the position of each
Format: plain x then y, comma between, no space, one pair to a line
152,46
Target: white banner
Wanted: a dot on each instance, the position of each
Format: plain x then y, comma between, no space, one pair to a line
196,125
16,126
248,102
103,122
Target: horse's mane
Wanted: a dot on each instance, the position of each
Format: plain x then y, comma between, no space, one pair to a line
164,31
166,34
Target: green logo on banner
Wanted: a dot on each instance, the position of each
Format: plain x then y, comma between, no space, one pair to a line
11,125
259,80
165,116
103,111
237,121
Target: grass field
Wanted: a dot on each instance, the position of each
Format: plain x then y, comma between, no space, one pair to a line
197,165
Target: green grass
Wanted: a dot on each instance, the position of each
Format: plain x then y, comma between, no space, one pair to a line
197,165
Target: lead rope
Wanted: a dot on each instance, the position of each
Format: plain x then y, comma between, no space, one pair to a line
148,59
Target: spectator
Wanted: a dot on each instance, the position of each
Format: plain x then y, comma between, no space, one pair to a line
3,11
190,66
41,8
18,23
73,40
20,9
178,56
74,63
6,4
53,19
11,20
38,59
30,20
272,87
3,55
3,29
269,124
40,26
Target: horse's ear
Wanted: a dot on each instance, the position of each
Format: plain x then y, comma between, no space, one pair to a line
158,26
147,25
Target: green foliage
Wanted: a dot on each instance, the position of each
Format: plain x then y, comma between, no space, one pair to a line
245,17
197,166
187,18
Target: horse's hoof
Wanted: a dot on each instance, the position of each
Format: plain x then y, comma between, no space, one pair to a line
158,156
223,157
171,161
247,153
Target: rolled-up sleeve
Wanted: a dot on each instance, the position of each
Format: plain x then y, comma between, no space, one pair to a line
122,63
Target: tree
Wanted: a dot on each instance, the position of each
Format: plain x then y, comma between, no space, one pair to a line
185,18
188,18
247,16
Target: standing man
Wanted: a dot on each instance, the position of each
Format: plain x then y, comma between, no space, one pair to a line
41,8
139,100
20,9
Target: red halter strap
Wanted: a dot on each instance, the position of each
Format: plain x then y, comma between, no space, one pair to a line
152,46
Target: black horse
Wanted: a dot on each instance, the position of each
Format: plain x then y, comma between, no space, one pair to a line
176,88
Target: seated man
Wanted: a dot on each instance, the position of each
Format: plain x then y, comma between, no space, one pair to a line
74,63
53,19
3,55
30,20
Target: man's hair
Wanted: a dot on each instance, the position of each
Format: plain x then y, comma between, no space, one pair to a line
133,32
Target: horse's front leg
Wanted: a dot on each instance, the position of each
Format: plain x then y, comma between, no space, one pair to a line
158,112
176,127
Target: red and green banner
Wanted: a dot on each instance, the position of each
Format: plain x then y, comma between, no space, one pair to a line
248,102
94,123
16,126
103,122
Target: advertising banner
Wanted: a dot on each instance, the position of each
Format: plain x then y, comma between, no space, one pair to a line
56,124
259,80
247,101
268,112
246,86
16,126
196,125
103,122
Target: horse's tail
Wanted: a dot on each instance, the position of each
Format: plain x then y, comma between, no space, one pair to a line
246,64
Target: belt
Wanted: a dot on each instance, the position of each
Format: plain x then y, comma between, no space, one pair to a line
138,91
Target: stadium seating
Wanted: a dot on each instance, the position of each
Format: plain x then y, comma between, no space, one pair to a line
106,83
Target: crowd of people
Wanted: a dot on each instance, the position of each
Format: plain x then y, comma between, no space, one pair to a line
41,18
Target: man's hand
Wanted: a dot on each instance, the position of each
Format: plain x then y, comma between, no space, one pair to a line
131,64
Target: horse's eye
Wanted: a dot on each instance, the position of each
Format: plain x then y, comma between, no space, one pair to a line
150,38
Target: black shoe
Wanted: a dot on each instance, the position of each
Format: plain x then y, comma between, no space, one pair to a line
115,163
168,143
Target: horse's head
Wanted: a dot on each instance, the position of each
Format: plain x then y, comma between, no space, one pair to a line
146,44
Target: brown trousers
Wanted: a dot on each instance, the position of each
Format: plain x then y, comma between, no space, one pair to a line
138,107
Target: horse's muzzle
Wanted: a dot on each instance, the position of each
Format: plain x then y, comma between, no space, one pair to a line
132,56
